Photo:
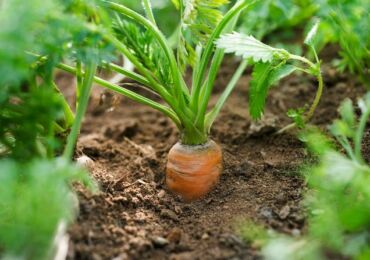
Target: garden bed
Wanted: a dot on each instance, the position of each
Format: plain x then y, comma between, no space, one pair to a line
134,217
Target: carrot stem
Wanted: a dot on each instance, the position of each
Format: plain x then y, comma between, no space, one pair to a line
81,109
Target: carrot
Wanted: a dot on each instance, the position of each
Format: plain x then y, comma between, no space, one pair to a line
193,170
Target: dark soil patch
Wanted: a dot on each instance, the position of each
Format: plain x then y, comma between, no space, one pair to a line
134,217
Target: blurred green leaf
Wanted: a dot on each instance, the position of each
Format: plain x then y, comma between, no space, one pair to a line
35,197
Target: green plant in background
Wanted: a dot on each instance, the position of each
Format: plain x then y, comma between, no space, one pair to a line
348,24
271,15
342,22
339,194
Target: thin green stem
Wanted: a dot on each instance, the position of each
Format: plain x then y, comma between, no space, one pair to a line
79,80
207,54
148,11
132,75
212,115
359,135
130,94
313,107
302,59
181,111
147,74
69,116
317,70
81,109
207,89
316,101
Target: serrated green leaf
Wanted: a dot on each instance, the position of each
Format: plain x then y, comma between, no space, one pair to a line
249,47
258,89
263,77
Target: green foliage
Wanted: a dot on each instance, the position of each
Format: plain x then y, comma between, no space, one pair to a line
249,48
271,65
35,197
53,28
27,117
35,187
144,46
263,77
343,22
258,88
201,17
340,193
161,8
348,24
297,115
32,110
271,15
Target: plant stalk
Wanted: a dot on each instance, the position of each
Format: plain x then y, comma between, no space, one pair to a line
212,115
130,94
148,10
359,135
80,111
234,11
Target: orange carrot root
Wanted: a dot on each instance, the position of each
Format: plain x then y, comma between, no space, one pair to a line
192,171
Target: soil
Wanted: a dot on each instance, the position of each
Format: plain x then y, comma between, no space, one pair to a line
135,217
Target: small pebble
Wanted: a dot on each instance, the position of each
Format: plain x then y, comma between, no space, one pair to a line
284,212
85,161
205,236
296,232
166,213
178,210
160,241
161,194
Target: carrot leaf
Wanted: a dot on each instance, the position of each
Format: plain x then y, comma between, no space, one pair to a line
264,76
249,47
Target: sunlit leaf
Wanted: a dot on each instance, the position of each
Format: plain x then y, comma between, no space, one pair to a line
248,47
